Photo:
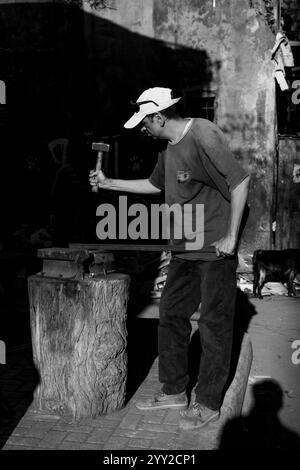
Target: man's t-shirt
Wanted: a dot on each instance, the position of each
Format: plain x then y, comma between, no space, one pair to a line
199,169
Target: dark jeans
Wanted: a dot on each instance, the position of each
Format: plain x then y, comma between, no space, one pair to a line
213,283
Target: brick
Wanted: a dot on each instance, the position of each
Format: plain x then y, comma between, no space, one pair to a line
23,441
172,417
22,431
99,423
47,417
157,445
124,432
39,429
152,419
149,412
61,426
143,434
26,423
90,446
76,436
11,447
164,441
130,421
38,416
115,443
116,415
99,435
68,445
52,439
188,441
161,428
138,443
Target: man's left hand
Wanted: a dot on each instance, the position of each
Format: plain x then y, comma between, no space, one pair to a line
225,247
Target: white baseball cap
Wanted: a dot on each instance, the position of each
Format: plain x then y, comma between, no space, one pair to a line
149,102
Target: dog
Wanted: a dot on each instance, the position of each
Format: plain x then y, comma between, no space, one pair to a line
279,266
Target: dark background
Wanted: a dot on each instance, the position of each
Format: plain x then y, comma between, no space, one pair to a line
72,75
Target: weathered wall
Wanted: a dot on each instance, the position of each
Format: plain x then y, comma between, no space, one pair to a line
69,71
226,48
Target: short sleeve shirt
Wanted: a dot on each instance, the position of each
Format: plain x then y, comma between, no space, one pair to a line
198,173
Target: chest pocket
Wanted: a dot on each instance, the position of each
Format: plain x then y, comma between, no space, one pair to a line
182,176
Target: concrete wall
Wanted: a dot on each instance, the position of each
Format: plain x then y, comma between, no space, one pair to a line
226,48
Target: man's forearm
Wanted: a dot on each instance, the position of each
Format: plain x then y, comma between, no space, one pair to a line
142,186
238,201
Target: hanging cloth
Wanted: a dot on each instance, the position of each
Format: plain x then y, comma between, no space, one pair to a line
282,57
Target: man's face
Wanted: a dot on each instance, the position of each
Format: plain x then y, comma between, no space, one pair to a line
151,127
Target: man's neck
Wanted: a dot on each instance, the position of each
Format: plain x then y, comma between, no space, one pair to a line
175,129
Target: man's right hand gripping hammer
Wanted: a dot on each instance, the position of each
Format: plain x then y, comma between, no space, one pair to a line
97,176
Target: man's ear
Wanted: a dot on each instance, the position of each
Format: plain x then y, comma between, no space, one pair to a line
160,119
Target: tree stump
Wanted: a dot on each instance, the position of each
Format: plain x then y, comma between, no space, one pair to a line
79,339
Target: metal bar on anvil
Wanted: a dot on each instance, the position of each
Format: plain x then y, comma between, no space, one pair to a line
123,247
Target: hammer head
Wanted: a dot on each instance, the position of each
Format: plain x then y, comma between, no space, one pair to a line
100,146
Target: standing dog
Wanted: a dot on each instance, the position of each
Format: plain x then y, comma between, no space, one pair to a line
280,266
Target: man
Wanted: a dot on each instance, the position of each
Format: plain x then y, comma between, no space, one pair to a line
196,168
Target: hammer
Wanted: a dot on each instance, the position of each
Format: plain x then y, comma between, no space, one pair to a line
100,147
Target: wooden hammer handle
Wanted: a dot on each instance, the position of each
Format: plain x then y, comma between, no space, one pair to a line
98,168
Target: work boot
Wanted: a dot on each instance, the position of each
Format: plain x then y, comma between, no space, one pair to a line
197,416
162,400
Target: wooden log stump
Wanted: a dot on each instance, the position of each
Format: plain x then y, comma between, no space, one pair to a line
79,339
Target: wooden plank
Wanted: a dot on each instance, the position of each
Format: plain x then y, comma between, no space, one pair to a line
123,247
288,211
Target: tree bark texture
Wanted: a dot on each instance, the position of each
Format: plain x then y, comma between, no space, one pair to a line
79,339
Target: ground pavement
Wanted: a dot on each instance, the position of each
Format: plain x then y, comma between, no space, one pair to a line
273,327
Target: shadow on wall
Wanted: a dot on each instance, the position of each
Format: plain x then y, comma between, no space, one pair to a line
122,64
70,74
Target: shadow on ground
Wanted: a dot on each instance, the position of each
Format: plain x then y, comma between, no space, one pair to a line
18,379
142,351
261,429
